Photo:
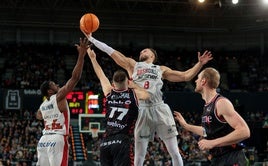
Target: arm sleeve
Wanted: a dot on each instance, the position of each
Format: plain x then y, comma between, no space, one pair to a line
102,46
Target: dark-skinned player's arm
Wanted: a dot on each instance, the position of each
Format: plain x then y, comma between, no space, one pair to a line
77,71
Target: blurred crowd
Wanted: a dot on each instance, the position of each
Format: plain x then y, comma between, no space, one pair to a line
28,65
20,132
19,135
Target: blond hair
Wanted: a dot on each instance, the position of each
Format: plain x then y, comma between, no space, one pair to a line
212,76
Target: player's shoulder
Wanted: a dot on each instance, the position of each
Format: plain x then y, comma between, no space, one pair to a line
164,68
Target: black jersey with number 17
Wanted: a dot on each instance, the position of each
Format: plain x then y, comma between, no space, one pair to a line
122,112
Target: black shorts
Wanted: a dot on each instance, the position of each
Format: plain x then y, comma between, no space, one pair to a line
117,150
234,158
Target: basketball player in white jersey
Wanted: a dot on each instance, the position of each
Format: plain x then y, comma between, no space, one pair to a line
154,115
52,148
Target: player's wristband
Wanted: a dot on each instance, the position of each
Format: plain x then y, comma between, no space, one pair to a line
102,46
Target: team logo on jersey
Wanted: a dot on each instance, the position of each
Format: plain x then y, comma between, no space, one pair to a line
208,109
170,130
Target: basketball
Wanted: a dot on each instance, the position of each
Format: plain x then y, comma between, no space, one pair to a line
89,23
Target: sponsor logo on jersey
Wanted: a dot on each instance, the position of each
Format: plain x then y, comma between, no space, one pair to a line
111,142
46,144
47,107
116,124
51,116
120,96
206,119
127,102
143,71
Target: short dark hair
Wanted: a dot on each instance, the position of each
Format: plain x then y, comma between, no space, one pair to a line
119,76
155,55
44,87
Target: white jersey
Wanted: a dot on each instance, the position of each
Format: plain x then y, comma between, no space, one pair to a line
149,76
55,122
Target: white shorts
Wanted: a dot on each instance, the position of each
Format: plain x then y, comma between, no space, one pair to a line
155,118
52,150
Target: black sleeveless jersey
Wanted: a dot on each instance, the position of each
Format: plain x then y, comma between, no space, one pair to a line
122,112
216,127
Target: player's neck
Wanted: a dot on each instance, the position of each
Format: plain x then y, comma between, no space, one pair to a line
209,96
148,61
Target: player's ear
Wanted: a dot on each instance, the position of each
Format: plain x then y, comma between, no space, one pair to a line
203,81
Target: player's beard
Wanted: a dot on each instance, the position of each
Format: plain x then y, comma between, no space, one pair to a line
143,58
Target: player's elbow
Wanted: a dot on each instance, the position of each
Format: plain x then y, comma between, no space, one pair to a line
247,133
76,77
39,117
188,77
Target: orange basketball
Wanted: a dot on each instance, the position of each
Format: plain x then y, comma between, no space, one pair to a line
89,23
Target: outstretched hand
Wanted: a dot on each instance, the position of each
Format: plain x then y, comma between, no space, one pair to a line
203,59
179,118
87,35
83,46
91,53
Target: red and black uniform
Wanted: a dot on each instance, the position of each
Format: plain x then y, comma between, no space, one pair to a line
117,143
216,127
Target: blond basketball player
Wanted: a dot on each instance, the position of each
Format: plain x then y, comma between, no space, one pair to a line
222,128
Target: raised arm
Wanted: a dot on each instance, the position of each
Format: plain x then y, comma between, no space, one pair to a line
77,71
105,83
181,76
121,60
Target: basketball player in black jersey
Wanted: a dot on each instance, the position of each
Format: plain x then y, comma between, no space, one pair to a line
222,127
116,148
